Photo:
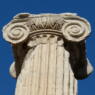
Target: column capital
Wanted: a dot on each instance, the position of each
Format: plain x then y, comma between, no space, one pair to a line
68,25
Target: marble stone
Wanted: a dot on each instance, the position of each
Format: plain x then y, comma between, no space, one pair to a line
49,51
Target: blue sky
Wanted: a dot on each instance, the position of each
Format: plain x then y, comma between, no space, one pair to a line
9,8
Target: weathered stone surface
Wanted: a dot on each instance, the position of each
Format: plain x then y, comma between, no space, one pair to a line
49,51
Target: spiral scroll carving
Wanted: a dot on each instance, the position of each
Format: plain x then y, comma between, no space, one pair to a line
16,33
76,30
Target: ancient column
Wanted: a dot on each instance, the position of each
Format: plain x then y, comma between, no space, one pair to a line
49,52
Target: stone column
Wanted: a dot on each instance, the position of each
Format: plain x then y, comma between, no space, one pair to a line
49,52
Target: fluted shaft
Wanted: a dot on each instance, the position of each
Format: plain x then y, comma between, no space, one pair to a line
46,71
